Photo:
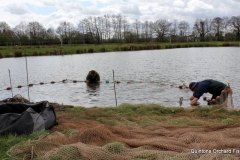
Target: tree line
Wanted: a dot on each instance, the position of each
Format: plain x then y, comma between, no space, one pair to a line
117,29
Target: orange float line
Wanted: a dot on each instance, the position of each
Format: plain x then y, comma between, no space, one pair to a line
19,86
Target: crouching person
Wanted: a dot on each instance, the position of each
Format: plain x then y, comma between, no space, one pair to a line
214,87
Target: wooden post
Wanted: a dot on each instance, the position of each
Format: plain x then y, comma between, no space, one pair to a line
230,95
115,89
27,73
10,82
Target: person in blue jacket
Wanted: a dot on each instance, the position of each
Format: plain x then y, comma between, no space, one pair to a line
211,86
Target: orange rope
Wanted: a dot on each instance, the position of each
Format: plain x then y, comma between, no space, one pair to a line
181,86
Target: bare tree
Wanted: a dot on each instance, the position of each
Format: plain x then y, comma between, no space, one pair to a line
70,32
217,27
136,29
82,30
51,36
61,33
235,23
36,32
6,34
145,33
226,26
183,27
107,27
20,32
126,29
202,28
161,28
91,29
98,28
65,31
117,27
174,29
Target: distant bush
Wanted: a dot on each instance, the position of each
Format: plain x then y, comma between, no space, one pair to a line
116,49
168,46
79,51
37,53
18,54
58,52
150,47
90,50
159,46
125,49
1,55
227,44
134,48
102,49
45,53
178,46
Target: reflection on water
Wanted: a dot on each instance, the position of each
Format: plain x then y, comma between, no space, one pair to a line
93,89
180,101
154,76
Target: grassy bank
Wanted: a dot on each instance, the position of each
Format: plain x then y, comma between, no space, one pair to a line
131,115
19,51
142,115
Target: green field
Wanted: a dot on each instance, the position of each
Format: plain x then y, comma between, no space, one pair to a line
19,51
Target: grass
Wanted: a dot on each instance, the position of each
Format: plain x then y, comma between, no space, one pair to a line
145,114
140,115
19,51
7,141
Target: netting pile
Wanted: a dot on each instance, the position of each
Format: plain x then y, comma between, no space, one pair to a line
91,140
103,142
226,98
16,98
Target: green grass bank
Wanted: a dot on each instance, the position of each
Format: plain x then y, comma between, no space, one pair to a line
19,51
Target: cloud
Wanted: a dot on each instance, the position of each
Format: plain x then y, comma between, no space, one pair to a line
131,9
71,7
91,11
50,2
17,9
198,6
51,12
178,3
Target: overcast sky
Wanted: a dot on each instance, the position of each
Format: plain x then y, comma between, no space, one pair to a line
51,12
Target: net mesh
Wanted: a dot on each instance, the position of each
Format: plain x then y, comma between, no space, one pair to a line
16,98
103,142
87,139
225,99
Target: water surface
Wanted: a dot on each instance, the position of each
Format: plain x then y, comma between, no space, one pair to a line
154,75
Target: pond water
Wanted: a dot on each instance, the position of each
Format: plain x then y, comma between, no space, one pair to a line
155,76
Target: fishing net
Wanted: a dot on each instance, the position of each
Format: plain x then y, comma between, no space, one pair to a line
16,98
91,140
86,139
225,99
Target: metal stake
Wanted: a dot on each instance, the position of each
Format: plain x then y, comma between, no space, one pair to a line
115,89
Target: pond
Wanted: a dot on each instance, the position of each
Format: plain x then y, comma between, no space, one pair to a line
145,76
